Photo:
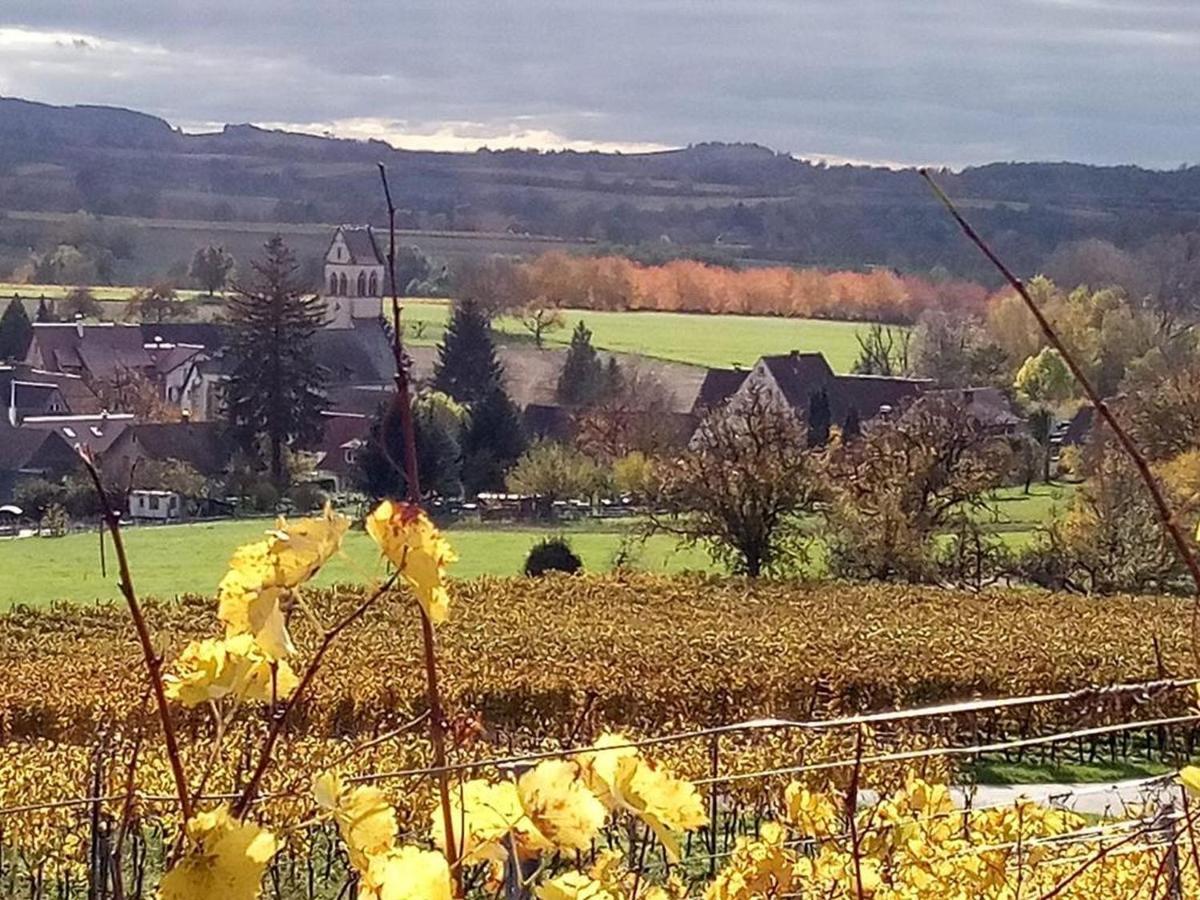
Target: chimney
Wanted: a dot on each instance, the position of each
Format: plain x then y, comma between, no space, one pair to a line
79,325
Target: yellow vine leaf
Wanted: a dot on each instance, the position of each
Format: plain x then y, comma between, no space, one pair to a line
623,779
415,546
224,858
213,669
366,820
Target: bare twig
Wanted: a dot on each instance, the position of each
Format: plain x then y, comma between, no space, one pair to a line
852,813
402,407
152,659
1165,513
247,796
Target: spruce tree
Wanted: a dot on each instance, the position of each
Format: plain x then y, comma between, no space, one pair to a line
819,419
582,379
275,393
45,312
467,368
852,427
15,331
492,442
381,461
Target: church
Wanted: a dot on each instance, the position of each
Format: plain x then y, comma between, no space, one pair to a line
355,281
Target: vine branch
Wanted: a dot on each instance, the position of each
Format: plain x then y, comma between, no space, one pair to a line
153,661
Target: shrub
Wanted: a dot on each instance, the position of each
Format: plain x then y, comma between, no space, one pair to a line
307,497
55,521
552,555
263,496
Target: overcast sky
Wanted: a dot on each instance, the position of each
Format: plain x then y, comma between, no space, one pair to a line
896,81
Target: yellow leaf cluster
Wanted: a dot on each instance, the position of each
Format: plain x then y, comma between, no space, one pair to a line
415,546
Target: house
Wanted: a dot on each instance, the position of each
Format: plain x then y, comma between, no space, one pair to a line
204,446
718,386
345,434
27,453
354,282
989,407
794,378
26,391
95,432
157,506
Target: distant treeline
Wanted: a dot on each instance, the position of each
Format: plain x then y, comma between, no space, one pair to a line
617,283
742,200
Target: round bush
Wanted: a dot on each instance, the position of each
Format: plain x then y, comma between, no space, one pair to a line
552,555
307,497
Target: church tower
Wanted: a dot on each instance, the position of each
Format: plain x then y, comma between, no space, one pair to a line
354,277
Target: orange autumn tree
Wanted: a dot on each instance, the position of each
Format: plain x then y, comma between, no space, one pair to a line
617,283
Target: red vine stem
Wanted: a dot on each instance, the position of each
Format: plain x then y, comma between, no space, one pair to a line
152,659
1166,515
402,407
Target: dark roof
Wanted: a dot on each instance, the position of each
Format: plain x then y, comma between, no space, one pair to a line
100,349
31,449
203,445
799,376
364,400
358,355
212,336
718,386
98,432
360,241
870,393
545,420
1080,427
989,406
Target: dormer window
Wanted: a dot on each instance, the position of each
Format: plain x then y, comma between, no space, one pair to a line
69,432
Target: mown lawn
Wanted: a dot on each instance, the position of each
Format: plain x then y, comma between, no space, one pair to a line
177,559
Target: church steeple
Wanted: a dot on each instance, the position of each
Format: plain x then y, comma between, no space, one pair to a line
354,276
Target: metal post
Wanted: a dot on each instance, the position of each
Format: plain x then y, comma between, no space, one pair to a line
1164,826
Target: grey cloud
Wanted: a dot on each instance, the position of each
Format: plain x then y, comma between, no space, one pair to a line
957,81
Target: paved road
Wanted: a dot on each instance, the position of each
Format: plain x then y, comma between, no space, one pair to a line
1115,799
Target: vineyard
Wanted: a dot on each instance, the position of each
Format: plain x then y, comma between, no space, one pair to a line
537,667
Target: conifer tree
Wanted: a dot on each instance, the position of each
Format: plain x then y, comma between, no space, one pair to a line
467,368
582,380
15,331
381,461
852,427
45,312
492,442
819,419
275,392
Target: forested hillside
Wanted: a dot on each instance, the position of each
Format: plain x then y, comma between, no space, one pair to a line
716,201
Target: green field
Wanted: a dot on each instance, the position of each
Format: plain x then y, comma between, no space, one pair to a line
705,340
179,559
105,293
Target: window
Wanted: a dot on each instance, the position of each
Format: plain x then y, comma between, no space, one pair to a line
342,286
362,284
374,285
332,284
348,456
69,432
96,432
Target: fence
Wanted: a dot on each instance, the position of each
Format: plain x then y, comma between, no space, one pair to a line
319,870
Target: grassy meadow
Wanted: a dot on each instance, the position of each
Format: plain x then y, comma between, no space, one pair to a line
704,340
181,559
190,559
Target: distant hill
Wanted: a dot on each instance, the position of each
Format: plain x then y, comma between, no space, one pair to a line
739,201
